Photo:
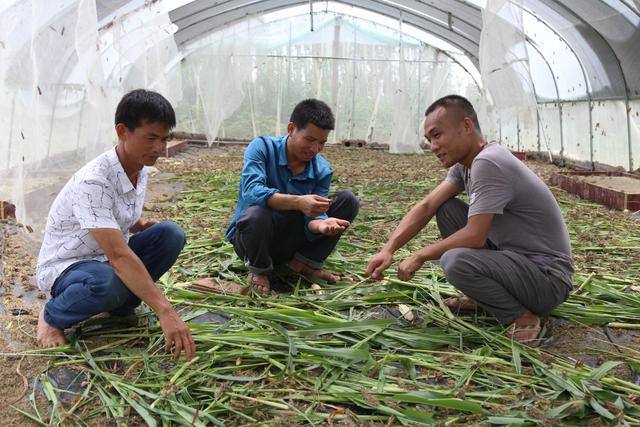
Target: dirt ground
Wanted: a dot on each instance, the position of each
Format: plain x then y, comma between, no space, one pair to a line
20,300
622,184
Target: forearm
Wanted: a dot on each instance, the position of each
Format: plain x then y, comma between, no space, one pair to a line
408,228
136,278
285,202
463,238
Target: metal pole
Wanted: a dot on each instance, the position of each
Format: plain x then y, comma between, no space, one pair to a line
518,132
419,83
353,88
555,84
53,116
289,68
13,112
84,95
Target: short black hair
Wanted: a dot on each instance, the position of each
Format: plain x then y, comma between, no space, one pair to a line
458,102
313,111
144,105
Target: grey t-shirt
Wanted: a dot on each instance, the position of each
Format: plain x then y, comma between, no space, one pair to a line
527,217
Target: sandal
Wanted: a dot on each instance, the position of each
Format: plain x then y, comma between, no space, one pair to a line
540,328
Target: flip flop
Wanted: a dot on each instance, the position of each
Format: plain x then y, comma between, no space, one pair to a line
540,327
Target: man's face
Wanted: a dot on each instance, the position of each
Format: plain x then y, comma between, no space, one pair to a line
303,144
448,133
145,143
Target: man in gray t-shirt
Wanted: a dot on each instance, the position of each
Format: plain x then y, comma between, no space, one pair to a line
508,250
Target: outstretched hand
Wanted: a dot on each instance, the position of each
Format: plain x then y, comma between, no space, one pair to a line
378,264
177,333
313,205
329,227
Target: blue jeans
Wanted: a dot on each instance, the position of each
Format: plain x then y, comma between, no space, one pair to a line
87,288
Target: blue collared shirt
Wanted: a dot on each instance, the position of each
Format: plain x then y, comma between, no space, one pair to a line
266,171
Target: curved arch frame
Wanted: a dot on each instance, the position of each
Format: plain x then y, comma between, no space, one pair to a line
456,21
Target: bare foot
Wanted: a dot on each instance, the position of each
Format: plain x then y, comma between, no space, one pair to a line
302,268
48,336
461,304
260,283
103,315
526,329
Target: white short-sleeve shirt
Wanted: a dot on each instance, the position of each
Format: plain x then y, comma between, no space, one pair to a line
100,195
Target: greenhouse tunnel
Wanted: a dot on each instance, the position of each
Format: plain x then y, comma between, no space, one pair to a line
556,77
423,269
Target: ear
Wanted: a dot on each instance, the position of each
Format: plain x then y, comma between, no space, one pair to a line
122,131
467,124
290,128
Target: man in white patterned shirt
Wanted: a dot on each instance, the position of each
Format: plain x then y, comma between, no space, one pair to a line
88,262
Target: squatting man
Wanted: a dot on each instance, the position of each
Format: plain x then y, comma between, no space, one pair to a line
508,250
285,214
88,261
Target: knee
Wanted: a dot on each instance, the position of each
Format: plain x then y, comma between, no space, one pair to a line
349,204
116,295
348,199
108,291
454,265
255,218
171,235
449,206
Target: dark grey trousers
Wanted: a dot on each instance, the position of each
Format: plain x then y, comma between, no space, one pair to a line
266,237
505,283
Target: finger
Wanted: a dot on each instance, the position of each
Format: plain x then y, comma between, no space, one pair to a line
320,198
377,273
178,347
168,342
405,275
191,349
401,271
370,267
188,345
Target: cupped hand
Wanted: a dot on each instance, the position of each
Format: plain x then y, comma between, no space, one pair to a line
332,226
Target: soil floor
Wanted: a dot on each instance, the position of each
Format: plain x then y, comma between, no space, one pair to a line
623,184
21,301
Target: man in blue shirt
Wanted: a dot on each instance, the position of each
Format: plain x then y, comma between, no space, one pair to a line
284,213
